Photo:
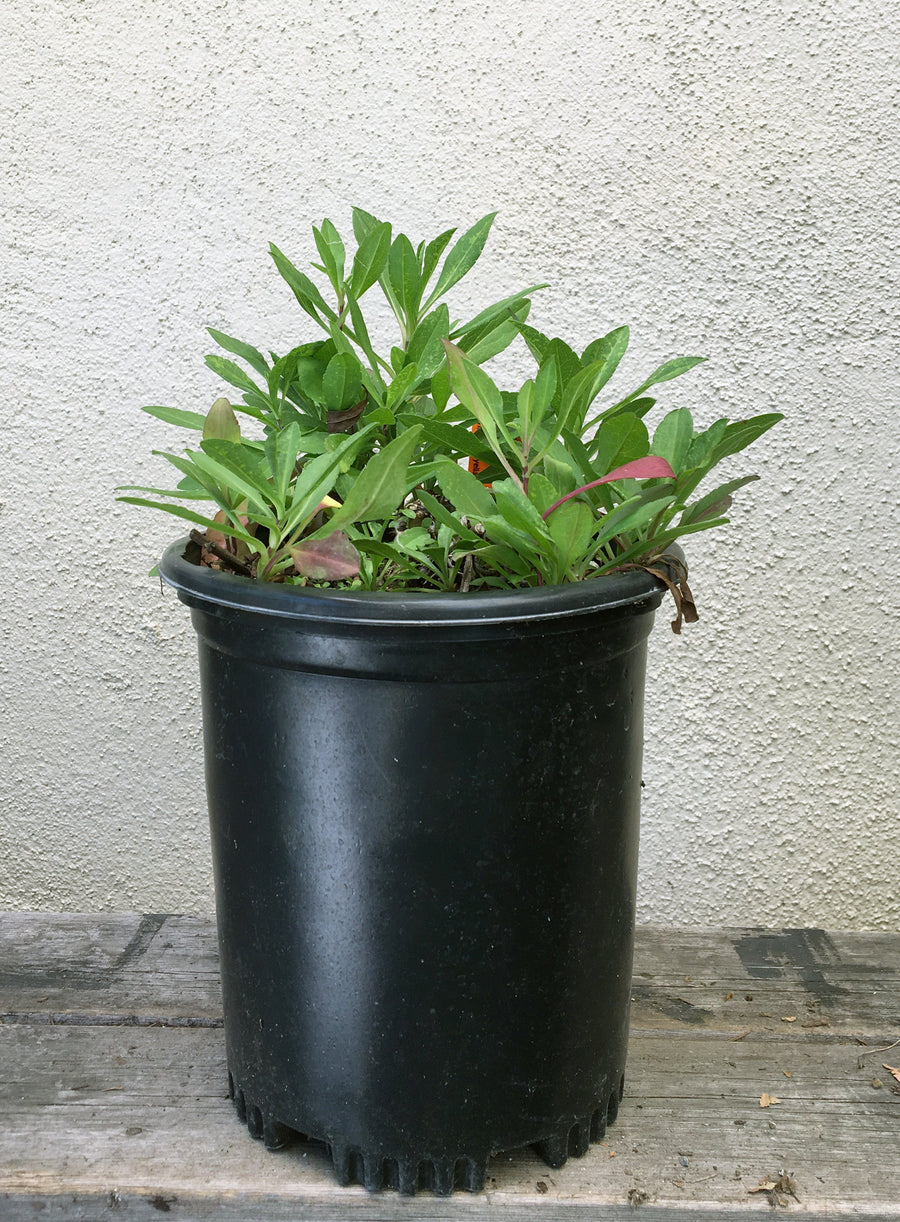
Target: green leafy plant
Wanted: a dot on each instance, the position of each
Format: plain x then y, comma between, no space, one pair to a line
411,469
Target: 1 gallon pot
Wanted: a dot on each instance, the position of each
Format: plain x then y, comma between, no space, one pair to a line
424,814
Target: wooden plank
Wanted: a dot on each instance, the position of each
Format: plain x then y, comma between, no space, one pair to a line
752,979
112,1086
137,1115
142,968
164,969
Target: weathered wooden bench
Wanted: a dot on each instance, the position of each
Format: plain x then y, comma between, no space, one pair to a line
756,1080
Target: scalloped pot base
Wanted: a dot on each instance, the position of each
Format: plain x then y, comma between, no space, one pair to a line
424,815
408,1174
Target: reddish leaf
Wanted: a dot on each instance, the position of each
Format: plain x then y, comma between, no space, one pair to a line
650,467
331,559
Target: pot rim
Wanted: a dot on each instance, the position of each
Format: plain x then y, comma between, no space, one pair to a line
633,591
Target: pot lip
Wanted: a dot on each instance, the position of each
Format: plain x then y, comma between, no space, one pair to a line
196,586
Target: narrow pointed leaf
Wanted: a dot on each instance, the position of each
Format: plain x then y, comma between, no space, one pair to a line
608,350
716,502
247,352
309,297
665,373
673,437
331,250
402,386
742,433
650,467
175,415
433,252
381,485
341,382
317,479
370,258
403,271
188,515
232,374
464,491
519,512
462,256
498,311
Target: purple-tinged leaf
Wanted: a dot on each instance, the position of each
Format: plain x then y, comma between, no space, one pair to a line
331,559
650,467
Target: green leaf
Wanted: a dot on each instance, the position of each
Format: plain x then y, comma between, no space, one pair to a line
403,384
714,503
440,387
361,334
498,312
369,261
566,365
673,437
309,297
363,224
433,252
702,448
487,341
188,515
543,493
425,347
237,469
254,359
221,423
380,415
479,395
183,494
499,530
174,415
381,485
403,271
341,382
232,374
453,439
318,476
465,492
608,350
518,511
572,527
635,513
618,441
287,446
462,257
632,407
743,433
331,250
444,517
537,342
665,373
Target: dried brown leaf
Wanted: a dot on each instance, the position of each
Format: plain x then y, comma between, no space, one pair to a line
895,1073
768,1100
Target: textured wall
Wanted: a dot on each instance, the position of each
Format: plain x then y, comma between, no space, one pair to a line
723,177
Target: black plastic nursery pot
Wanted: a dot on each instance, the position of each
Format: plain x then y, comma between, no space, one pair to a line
424,813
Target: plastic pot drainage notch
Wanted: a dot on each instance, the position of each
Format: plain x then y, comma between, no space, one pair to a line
424,815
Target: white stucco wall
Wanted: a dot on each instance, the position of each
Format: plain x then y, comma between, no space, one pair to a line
722,176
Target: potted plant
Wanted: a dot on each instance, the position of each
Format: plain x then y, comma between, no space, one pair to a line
422,605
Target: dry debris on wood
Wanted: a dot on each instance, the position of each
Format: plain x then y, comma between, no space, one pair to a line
778,1189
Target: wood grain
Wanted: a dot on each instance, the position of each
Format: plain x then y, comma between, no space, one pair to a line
113,1087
